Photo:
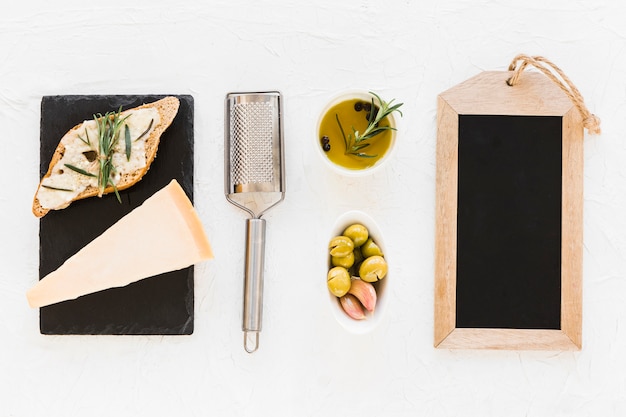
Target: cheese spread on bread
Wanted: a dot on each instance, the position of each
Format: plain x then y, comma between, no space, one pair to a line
81,145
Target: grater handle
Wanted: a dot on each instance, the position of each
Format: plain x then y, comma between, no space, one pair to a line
253,283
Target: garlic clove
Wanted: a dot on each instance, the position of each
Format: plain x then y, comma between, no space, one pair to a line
364,292
352,307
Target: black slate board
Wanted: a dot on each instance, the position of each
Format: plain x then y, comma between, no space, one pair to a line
509,222
161,305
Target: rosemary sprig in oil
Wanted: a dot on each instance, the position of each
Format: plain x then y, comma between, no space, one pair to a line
356,141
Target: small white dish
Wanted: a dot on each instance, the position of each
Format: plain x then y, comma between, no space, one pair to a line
372,319
366,97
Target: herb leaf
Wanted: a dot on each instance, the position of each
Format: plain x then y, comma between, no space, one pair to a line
50,187
117,194
345,141
128,143
85,141
145,131
80,171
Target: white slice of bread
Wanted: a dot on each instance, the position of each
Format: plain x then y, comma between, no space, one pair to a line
167,108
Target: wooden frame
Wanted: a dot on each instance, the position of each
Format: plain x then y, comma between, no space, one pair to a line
488,94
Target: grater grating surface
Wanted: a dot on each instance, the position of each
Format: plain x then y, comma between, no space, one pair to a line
252,133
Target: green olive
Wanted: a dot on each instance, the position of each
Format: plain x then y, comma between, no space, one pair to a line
358,233
340,246
373,268
345,261
338,281
370,248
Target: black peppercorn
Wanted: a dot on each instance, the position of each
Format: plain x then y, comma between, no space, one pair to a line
369,114
358,106
326,143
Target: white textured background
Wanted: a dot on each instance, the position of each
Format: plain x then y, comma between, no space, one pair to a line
307,364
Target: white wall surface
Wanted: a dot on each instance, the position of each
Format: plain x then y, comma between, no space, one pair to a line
307,364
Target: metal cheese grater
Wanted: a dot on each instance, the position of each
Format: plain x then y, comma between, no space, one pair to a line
254,182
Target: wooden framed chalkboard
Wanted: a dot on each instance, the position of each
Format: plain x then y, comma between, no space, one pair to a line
508,259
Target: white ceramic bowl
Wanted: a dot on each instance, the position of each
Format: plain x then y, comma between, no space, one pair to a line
382,287
346,95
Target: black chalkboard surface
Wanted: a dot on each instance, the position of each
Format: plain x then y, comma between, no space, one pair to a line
159,305
509,222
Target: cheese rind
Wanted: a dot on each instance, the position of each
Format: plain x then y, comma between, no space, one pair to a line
163,234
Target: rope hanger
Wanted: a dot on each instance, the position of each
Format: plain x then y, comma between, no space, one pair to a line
590,121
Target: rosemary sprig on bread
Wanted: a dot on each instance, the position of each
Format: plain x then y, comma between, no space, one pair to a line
108,135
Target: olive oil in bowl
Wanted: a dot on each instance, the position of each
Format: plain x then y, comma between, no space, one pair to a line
349,136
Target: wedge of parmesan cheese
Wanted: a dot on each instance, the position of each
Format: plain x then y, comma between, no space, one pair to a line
163,234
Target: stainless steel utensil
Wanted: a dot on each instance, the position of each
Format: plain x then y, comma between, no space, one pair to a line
254,182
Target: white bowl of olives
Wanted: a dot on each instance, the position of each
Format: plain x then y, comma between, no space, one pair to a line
357,272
